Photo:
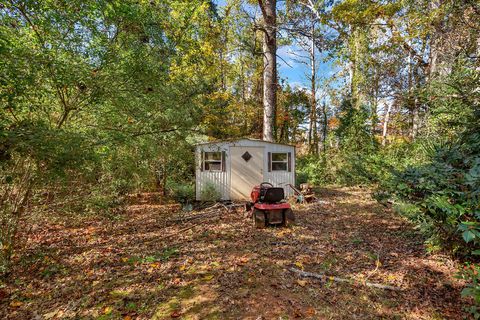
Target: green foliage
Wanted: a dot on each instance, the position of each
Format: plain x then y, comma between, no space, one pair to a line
357,160
344,168
312,169
210,193
471,273
446,191
99,99
353,133
433,181
441,193
15,190
182,191
165,255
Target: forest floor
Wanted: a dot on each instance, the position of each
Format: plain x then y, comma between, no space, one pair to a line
127,267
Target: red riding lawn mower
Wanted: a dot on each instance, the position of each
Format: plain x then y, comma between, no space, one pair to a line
268,206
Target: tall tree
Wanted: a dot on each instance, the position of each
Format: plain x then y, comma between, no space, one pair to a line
96,84
304,34
312,131
269,13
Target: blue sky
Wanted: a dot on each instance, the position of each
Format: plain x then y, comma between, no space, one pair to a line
296,72
289,68
292,70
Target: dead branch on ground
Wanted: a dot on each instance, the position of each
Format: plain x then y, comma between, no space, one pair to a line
213,211
323,277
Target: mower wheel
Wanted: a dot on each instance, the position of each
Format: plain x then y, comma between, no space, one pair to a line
289,217
259,219
248,210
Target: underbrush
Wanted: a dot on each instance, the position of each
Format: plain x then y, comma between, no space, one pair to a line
356,168
435,185
442,197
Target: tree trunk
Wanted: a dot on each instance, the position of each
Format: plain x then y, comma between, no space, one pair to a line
325,127
284,128
375,95
268,8
358,72
244,104
385,124
313,134
478,53
161,178
414,83
415,118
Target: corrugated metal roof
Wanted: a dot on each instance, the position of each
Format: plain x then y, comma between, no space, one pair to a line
238,139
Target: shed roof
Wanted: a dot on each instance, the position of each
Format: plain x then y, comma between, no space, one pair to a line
238,139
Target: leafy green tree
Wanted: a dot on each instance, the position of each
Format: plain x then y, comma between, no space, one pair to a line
96,93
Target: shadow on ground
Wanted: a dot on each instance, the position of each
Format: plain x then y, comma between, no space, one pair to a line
222,268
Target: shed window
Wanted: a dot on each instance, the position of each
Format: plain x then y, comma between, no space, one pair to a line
279,161
212,161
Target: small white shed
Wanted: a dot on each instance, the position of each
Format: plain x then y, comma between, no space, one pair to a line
235,166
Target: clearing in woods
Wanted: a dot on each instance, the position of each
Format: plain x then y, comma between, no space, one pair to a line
221,268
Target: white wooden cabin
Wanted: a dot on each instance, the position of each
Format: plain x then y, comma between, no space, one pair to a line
235,166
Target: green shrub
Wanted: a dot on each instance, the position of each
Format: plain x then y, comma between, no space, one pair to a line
301,177
357,159
471,273
445,193
312,170
346,168
210,193
438,187
182,191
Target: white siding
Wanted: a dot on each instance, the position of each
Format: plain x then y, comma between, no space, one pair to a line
280,178
222,180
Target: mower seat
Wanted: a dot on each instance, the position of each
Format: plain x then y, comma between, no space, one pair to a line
273,195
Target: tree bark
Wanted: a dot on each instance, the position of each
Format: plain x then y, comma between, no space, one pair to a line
415,118
325,127
358,73
435,43
385,124
375,95
312,132
268,8
414,82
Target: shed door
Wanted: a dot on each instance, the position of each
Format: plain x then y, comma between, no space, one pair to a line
246,171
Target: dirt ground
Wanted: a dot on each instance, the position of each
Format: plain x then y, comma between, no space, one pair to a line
137,265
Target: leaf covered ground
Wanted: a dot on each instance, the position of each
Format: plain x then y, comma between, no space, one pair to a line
219,267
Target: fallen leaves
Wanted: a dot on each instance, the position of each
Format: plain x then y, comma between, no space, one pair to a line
310,312
107,310
3,294
120,293
119,275
302,283
208,277
16,304
175,314
243,260
53,314
153,266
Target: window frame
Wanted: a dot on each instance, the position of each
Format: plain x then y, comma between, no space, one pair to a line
204,161
276,161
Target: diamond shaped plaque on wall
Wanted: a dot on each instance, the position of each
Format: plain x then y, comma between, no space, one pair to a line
246,156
